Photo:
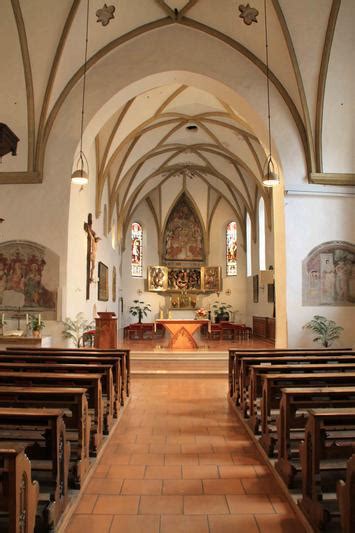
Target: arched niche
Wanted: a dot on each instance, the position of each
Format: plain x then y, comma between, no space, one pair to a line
183,238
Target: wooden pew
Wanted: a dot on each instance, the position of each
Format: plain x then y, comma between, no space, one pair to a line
301,360
78,421
272,385
329,442
291,422
346,498
236,355
255,385
114,362
122,354
92,382
43,432
106,370
18,493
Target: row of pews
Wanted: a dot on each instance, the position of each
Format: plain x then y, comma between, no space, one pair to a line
300,405
56,406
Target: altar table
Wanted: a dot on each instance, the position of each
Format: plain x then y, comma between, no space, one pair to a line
182,332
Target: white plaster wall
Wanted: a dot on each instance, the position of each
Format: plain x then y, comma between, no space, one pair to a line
82,202
310,221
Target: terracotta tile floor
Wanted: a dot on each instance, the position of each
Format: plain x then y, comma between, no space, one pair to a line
180,461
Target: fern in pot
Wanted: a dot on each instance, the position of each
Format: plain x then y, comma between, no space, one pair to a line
75,329
327,331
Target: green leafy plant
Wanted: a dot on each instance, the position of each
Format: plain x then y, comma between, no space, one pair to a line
35,323
75,329
326,330
139,309
221,308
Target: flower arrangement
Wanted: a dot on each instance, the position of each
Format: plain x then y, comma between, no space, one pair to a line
35,324
201,313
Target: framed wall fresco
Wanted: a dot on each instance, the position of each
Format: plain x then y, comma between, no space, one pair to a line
102,289
256,288
157,278
329,275
29,278
211,279
183,238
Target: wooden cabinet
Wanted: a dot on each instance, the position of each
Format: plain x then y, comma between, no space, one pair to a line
264,327
106,330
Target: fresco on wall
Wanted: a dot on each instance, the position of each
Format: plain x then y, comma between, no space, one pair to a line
329,275
29,277
183,237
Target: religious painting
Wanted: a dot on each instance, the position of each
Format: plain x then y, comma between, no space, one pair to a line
183,236
175,301
329,275
103,283
211,279
184,279
157,278
231,249
136,250
114,284
29,278
256,288
271,293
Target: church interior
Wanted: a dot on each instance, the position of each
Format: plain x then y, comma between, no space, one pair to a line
177,266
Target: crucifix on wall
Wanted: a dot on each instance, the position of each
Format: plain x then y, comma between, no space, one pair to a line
92,242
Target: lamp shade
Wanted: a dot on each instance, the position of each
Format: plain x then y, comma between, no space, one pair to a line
80,177
270,179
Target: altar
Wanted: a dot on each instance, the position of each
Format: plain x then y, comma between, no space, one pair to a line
181,331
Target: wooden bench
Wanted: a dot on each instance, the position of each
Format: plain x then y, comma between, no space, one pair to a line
42,431
291,421
92,382
237,355
122,354
272,386
255,385
346,498
18,493
78,423
50,358
301,361
328,444
107,382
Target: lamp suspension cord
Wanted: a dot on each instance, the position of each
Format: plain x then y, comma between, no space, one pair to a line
84,83
267,79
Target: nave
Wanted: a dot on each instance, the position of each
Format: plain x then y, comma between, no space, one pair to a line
180,460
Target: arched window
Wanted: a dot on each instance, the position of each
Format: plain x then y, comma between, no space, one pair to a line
248,244
105,221
262,251
231,248
136,250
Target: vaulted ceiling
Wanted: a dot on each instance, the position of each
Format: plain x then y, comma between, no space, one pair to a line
149,139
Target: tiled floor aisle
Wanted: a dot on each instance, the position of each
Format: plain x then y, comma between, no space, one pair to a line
179,462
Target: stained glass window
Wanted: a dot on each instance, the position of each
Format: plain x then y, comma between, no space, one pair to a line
231,249
248,235
136,250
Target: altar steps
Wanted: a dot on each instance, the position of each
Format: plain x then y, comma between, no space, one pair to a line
179,364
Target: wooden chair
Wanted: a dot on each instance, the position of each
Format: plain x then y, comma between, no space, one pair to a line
346,498
216,332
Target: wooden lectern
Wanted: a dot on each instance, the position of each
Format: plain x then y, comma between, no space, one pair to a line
106,330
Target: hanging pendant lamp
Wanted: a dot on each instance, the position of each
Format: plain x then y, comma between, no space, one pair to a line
80,176
270,177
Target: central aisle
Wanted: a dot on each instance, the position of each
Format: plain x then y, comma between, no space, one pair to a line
180,461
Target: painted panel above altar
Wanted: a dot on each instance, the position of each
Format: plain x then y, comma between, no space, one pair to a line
180,279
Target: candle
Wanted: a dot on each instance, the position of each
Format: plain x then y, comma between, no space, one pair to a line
3,318
39,319
161,314
26,319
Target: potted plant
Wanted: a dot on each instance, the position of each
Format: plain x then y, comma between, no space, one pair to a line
326,330
75,329
35,324
221,311
139,309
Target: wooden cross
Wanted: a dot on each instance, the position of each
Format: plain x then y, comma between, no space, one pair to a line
92,240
